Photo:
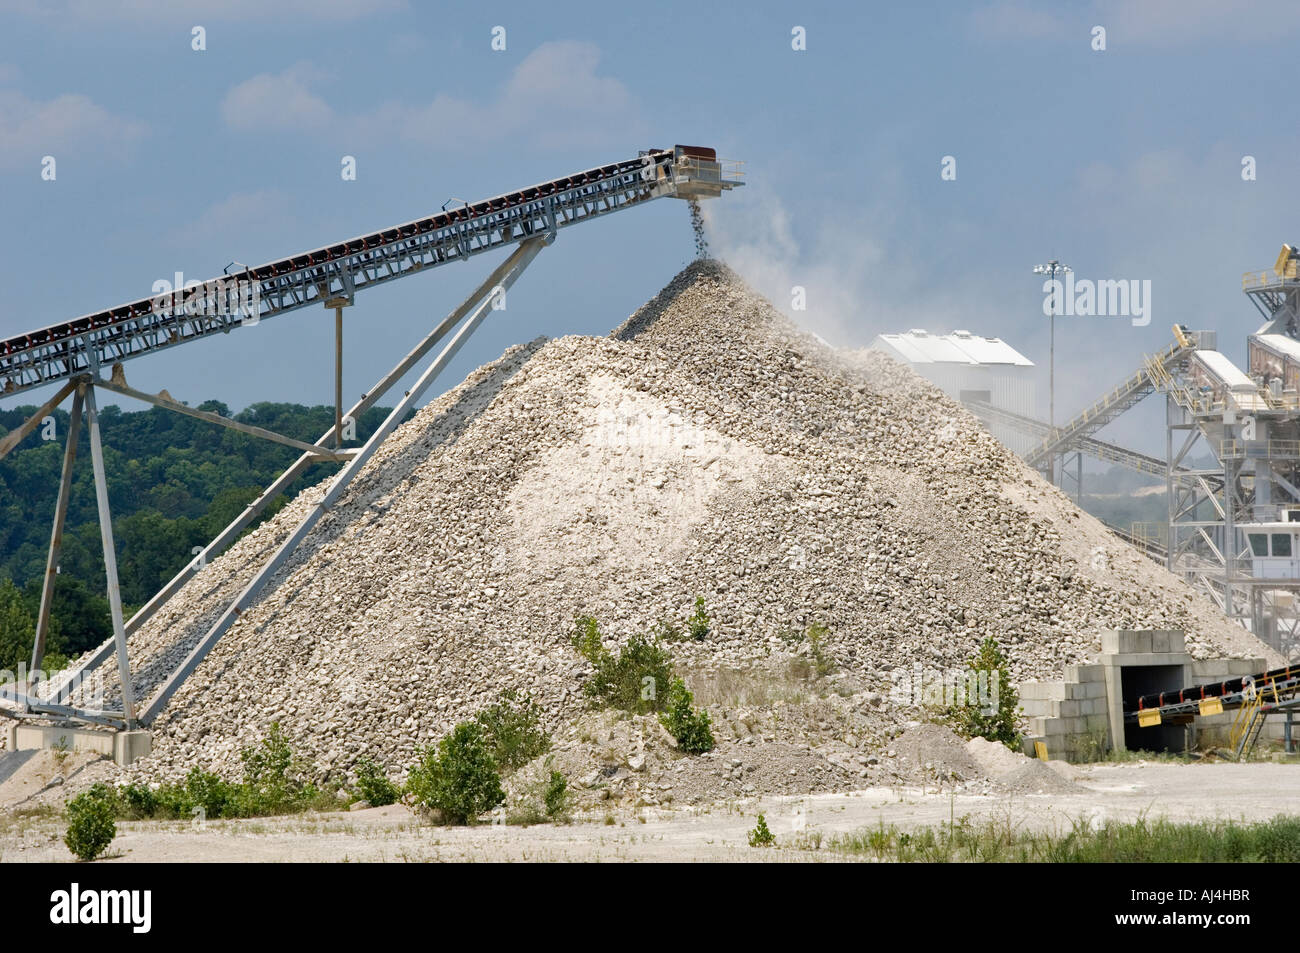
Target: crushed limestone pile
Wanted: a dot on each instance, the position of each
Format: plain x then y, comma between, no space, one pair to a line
706,448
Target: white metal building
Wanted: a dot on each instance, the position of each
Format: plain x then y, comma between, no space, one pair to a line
966,366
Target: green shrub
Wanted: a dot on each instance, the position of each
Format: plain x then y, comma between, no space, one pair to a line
171,801
90,822
635,680
984,717
760,836
271,785
699,623
689,727
137,801
271,781
373,785
556,795
586,638
513,731
823,664
458,777
207,791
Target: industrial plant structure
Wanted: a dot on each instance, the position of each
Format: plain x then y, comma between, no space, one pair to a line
1233,527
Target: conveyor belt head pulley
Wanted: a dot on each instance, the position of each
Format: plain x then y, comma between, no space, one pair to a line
698,173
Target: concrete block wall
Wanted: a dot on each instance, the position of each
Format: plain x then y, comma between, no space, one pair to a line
1069,716
1122,648
124,747
1083,712
1145,646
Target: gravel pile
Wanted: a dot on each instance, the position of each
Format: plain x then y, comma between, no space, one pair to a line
934,750
707,447
1034,777
1014,773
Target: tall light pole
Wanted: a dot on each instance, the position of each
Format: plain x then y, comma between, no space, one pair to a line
1052,269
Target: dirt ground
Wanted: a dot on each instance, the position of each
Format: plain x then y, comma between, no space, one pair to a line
717,832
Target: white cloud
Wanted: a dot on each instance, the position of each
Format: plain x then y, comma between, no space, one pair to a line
66,13
30,129
556,97
240,215
277,101
1016,20
1169,23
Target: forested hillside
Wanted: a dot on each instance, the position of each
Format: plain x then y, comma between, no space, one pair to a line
173,481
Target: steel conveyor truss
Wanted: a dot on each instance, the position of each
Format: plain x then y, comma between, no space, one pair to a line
75,354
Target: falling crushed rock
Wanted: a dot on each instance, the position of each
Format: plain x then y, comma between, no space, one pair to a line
697,228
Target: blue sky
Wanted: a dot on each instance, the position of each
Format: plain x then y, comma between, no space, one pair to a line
1125,163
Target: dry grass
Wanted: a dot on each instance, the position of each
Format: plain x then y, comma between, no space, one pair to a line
793,683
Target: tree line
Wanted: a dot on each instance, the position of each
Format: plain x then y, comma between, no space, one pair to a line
174,482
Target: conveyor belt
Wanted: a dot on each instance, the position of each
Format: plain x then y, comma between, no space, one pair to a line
1100,449
1153,548
103,338
1110,406
1279,683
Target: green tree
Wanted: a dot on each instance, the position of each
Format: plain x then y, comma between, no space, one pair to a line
992,709
79,617
691,728
17,630
457,778
174,482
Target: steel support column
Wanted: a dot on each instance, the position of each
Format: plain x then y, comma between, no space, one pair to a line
338,377
110,558
179,408
56,534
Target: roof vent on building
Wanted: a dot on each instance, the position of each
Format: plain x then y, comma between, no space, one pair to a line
918,332
961,334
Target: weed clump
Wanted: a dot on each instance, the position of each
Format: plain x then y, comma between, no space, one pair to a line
690,727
